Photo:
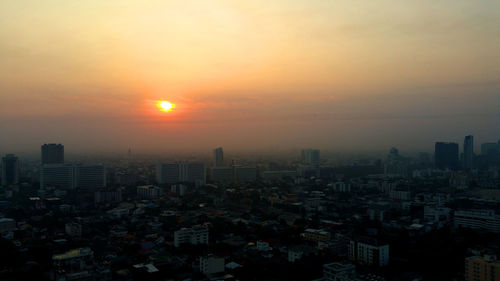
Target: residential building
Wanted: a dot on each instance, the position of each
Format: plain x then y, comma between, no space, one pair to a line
149,192
486,268
368,251
478,219
195,235
211,265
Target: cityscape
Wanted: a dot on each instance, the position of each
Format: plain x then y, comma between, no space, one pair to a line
295,217
257,140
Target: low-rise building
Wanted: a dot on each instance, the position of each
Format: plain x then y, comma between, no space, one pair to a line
368,251
195,235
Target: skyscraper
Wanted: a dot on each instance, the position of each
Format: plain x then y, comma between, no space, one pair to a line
52,153
310,157
10,170
218,157
468,152
171,173
446,155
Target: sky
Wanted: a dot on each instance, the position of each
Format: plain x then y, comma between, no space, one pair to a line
343,75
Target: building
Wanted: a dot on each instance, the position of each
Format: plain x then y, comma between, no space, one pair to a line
468,152
149,192
446,155
310,157
316,235
7,225
90,176
337,271
478,219
104,196
485,268
52,153
222,175
218,157
195,235
77,264
368,251
10,170
278,175
181,172
211,265
59,176
245,174
395,165
69,176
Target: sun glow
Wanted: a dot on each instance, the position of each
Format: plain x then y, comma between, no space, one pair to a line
165,106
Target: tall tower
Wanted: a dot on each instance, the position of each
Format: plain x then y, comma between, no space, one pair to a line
52,153
10,170
446,155
218,157
468,152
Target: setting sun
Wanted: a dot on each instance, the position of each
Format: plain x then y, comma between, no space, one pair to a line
165,106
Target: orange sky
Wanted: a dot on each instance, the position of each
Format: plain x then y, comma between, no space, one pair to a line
248,75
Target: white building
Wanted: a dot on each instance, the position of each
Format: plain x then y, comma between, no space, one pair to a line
369,252
211,265
195,235
149,192
478,219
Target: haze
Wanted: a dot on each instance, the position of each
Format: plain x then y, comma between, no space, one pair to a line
340,75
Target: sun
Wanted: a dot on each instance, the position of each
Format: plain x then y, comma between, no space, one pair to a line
165,105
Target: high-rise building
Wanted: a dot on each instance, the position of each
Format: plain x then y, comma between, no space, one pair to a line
310,157
57,175
468,152
446,155
69,176
368,251
10,170
485,268
90,176
171,173
52,153
218,157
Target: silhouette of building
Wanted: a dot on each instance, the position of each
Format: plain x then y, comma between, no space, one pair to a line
90,176
69,176
10,170
446,155
395,165
52,153
171,173
218,157
468,152
310,157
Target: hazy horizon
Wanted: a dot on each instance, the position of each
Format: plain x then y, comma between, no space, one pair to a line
342,76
